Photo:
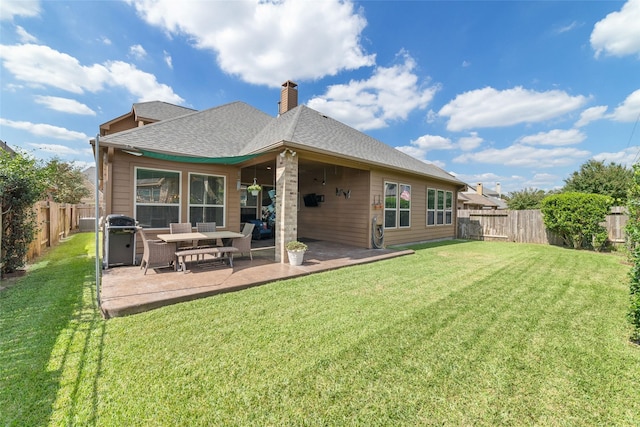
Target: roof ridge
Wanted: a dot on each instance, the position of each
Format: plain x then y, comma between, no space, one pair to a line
294,122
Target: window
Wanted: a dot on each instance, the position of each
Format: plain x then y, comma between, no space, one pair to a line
206,199
440,211
157,201
439,207
390,204
431,206
405,205
448,207
397,205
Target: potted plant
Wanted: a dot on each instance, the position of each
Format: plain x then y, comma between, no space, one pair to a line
254,188
296,250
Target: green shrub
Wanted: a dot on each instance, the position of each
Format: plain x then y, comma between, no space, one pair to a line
22,183
577,218
633,242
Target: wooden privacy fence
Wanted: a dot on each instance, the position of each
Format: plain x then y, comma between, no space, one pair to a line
56,221
525,226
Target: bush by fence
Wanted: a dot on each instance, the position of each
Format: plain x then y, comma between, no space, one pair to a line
525,226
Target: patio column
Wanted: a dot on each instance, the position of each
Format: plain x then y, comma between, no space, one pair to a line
286,202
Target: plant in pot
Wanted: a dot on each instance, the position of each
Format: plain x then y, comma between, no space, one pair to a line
254,188
295,251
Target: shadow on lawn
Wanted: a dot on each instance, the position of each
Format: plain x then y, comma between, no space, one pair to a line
51,340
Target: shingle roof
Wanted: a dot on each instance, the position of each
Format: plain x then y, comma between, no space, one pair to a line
158,110
239,129
217,132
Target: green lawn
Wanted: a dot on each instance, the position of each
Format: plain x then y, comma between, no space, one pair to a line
465,333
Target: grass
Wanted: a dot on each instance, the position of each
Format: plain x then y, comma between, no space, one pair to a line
473,333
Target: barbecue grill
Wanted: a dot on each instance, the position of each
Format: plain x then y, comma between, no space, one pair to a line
119,240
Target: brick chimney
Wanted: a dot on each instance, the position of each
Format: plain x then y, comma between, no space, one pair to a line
288,97
479,188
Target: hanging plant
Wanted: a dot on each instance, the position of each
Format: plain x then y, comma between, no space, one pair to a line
254,188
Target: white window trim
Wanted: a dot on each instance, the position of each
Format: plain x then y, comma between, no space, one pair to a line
436,210
404,209
384,222
223,206
135,192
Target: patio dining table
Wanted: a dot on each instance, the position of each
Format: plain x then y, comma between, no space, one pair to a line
175,238
200,235
225,236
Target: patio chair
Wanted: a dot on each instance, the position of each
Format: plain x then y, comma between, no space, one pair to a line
204,227
156,253
183,227
243,244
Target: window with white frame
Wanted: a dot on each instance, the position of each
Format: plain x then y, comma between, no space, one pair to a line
439,207
404,208
431,206
390,204
448,207
206,199
157,197
397,205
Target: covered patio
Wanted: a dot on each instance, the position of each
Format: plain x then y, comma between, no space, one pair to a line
125,290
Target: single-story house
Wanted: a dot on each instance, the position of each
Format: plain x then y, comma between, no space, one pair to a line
479,198
320,178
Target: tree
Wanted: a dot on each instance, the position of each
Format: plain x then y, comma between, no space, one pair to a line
529,198
598,178
22,183
633,241
67,183
576,217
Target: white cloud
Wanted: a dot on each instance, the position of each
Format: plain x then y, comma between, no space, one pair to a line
105,40
44,130
618,34
626,157
268,42
168,60
389,94
24,36
556,137
137,51
11,8
471,142
466,64
433,142
65,105
421,146
489,107
521,155
629,110
569,27
43,66
591,114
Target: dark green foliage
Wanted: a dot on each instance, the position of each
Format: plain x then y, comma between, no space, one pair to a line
596,177
22,184
633,237
576,218
529,198
67,182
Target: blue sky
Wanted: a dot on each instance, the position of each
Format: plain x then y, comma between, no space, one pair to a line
521,93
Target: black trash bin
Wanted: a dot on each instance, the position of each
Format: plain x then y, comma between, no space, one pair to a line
119,241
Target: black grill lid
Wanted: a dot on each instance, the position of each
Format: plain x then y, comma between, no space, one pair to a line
118,220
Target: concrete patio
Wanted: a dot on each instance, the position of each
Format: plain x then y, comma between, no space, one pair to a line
125,290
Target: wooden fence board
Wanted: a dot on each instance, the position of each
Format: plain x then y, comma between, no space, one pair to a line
525,226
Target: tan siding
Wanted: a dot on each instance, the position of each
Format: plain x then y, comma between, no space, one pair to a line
339,219
418,231
123,181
